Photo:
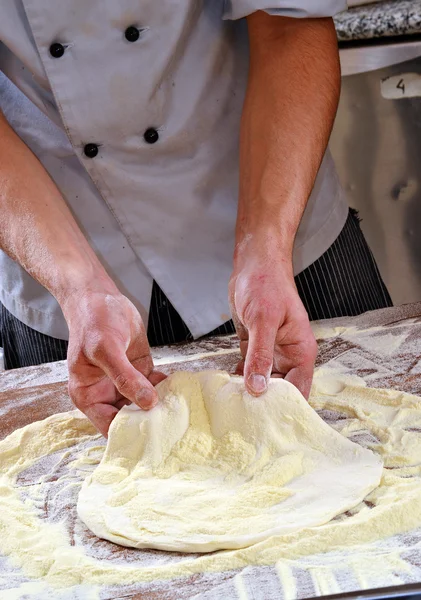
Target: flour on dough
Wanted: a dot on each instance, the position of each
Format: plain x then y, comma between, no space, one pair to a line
212,467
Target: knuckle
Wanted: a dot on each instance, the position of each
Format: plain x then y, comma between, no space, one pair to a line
144,364
262,310
262,358
244,347
72,391
76,394
96,346
74,355
96,350
122,382
314,349
72,361
250,313
311,348
231,284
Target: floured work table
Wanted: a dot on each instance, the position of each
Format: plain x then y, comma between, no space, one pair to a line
382,347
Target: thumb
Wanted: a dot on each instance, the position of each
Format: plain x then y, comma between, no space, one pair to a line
130,382
259,357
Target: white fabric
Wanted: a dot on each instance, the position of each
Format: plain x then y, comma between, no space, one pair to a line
235,9
211,468
164,211
352,3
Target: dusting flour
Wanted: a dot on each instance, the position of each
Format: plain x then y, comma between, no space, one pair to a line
44,465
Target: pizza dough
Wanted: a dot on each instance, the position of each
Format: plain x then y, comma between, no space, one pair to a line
212,467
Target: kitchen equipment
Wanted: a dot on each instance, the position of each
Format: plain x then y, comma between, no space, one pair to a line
376,144
401,592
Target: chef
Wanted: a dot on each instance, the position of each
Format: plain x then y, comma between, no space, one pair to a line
163,169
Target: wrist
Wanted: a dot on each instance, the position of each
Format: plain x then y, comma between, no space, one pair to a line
81,286
265,240
261,252
270,229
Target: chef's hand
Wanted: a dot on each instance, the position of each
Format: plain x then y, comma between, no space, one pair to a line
270,319
109,359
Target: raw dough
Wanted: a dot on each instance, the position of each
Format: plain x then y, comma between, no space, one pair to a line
212,468
46,543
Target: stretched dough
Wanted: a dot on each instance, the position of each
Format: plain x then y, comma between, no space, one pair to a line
212,467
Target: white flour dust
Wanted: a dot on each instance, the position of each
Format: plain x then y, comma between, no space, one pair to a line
48,553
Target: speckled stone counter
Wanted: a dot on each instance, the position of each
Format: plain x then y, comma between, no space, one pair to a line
382,19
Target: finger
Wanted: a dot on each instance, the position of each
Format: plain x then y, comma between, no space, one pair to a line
101,416
296,362
260,351
239,327
240,368
302,378
240,330
143,361
145,366
120,403
128,380
156,377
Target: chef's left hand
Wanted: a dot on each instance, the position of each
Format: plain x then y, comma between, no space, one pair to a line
270,319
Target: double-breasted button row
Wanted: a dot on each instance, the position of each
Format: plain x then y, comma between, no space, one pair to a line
132,34
151,136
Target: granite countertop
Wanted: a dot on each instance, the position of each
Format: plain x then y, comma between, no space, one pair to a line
381,19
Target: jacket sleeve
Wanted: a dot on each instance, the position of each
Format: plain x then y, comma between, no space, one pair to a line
236,9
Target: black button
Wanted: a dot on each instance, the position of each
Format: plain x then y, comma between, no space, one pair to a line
132,34
56,50
151,136
91,150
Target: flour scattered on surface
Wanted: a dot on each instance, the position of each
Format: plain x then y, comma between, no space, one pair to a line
44,539
346,553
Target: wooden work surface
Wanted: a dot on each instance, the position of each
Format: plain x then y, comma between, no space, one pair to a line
31,394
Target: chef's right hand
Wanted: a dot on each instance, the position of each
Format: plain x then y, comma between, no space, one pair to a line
109,359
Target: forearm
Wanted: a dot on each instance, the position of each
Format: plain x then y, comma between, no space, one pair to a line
37,228
290,105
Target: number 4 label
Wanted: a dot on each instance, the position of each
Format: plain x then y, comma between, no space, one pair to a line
405,85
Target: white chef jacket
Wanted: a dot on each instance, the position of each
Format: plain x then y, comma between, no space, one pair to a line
141,134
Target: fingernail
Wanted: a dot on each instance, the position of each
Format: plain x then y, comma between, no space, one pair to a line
257,383
146,398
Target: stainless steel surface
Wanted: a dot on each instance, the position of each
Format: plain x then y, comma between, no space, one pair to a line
360,59
376,144
398,592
